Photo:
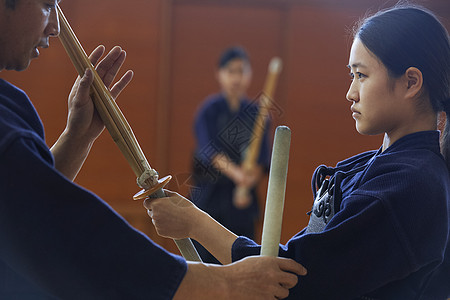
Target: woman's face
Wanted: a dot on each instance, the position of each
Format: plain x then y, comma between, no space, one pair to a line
376,98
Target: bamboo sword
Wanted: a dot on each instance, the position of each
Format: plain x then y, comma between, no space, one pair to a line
275,192
120,130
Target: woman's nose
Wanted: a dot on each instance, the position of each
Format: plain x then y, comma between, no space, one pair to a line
352,93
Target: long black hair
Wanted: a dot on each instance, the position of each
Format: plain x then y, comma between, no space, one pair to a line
411,36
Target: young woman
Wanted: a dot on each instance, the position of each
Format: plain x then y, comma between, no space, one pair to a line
379,227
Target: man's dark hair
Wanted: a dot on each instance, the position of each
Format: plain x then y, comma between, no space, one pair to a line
232,53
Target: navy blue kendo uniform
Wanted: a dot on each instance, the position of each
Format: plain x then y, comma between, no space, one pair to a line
218,129
58,240
389,236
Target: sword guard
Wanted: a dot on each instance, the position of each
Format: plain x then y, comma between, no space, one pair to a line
145,193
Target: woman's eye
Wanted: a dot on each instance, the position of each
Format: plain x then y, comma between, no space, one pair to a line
360,75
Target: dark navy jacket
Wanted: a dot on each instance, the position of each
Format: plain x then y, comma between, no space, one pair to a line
390,239
220,130
58,240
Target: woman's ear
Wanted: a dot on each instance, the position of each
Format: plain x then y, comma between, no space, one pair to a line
414,82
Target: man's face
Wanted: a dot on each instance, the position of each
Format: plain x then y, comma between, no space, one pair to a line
234,78
24,29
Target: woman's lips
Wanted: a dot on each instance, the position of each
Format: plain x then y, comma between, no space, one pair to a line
355,113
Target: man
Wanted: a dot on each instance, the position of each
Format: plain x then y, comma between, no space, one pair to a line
58,240
224,127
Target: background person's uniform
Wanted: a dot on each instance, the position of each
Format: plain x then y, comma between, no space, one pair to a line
390,239
218,129
58,240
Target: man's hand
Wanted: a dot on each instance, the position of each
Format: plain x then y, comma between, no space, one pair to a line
262,277
242,197
252,278
83,121
248,179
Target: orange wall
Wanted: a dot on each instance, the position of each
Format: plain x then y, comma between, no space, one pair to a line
173,46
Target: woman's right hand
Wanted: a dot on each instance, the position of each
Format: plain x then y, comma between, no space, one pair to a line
176,217
173,216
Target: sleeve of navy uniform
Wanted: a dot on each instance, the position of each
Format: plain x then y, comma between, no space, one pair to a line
59,240
388,241
206,130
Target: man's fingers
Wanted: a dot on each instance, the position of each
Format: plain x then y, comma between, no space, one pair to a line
114,68
281,292
289,280
110,65
289,265
96,54
120,85
86,81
